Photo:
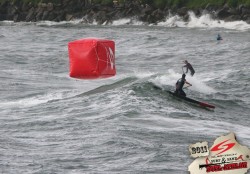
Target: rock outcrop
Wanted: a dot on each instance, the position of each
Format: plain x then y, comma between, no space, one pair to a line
68,10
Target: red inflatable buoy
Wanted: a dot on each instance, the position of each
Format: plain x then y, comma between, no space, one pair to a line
92,58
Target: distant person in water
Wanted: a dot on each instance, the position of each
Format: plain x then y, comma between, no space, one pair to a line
179,85
189,67
219,37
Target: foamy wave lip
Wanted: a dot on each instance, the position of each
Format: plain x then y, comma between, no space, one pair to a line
62,23
126,21
50,23
53,23
7,22
120,22
139,74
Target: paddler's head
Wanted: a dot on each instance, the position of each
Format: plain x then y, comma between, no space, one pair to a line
183,76
185,61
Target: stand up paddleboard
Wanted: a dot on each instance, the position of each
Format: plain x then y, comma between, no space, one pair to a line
203,104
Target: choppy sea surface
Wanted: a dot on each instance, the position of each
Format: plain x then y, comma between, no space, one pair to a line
51,123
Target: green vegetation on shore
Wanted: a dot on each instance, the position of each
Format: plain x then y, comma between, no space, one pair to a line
158,3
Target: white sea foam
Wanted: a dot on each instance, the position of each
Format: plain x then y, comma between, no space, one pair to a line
143,74
204,21
62,23
199,85
53,23
7,22
126,21
173,21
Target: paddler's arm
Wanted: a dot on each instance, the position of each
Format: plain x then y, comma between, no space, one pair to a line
188,83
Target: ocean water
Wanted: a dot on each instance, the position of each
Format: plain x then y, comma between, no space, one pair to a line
51,123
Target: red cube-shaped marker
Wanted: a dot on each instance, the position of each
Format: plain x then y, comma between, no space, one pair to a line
92,58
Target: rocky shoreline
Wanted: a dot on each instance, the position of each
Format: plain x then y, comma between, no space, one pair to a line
68,10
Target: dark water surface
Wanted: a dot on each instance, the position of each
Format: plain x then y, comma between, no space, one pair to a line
51,123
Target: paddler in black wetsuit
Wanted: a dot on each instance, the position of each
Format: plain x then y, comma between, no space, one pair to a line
179,85
219,37
189,67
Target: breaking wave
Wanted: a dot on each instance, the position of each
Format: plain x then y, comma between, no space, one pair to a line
204,21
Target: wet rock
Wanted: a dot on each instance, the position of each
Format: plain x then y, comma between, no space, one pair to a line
233,11
51,16
211,8
233,18
245,11
248,20
223,13
30,15
182,11
157,15
147,10
50,7
69,17
246,17
45,15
